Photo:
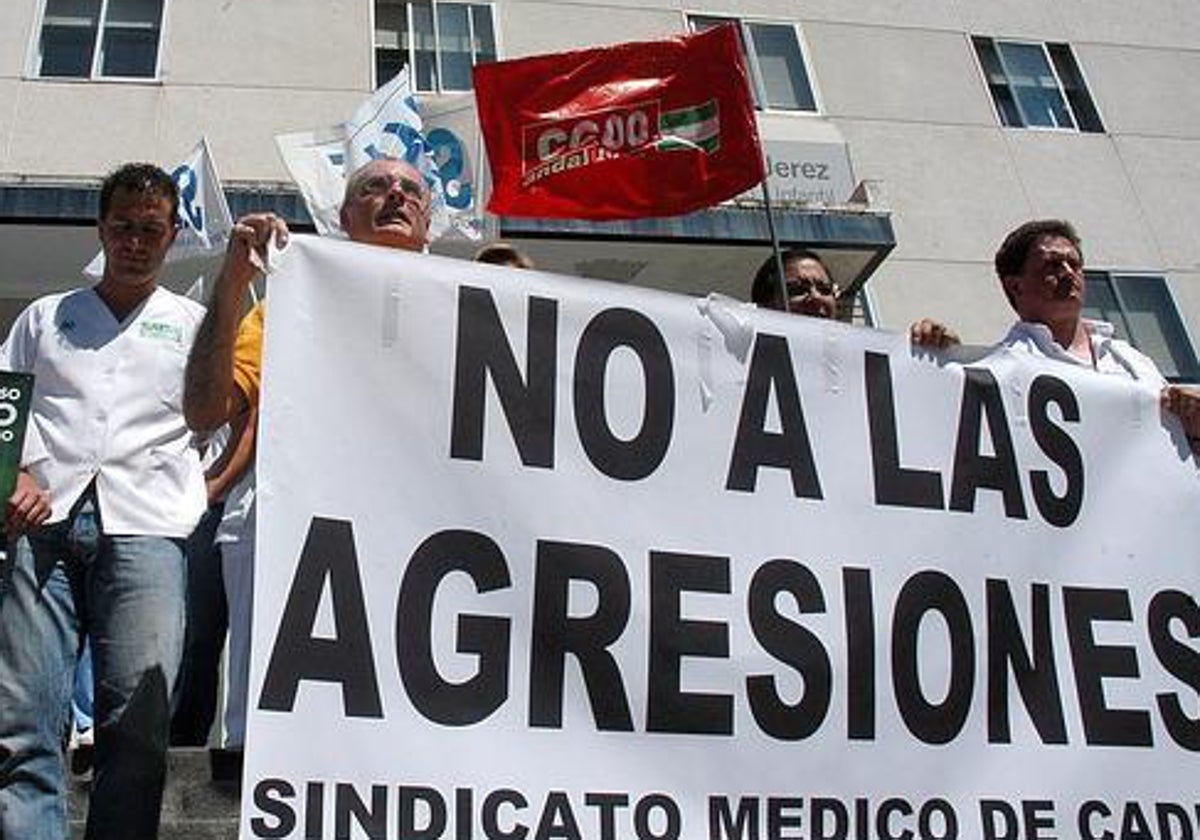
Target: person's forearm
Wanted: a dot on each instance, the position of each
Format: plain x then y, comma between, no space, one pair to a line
208,385
237,457
209,396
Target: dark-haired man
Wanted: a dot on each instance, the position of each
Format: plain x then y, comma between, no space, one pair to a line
502,253
1040,266
110,488
810,291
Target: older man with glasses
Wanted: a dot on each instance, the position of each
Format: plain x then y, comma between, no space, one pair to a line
386,203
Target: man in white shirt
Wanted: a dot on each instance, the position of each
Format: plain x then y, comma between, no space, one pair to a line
1040,265
110,488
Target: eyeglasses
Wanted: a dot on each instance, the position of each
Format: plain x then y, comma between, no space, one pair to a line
145,231
380,185
801,286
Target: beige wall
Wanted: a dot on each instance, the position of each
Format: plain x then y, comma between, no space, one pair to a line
239,72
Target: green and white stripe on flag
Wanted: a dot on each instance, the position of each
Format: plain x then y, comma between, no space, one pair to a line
698,127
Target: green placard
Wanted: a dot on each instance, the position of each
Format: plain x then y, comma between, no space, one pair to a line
16,389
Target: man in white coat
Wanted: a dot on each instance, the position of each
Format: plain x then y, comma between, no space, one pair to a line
110,488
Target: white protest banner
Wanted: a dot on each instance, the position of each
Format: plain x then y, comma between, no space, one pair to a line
549,558
204,218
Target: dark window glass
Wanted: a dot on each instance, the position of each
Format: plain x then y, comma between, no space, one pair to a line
391,40
484,43
123,45
129,52
997,82
1142,312
443,42
781,67
388,63
1101,304
1077,93
424,47
454,40
1033,83
68,38
1036,85
67,51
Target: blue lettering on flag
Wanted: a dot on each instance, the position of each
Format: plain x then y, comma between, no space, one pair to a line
450,157
191,213
410,139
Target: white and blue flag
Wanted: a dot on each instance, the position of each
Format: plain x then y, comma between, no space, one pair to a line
388,124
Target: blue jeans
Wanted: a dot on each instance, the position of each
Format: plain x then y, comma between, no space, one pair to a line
57,584
81,698
196,691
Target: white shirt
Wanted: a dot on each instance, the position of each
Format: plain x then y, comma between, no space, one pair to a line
237,521
1112,355
108,405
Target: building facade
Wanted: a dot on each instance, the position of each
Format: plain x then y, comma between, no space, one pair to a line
906,137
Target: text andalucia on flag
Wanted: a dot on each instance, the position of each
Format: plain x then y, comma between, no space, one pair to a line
656,128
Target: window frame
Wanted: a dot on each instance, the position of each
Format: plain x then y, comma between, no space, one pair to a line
411,58
36,55
865,300
752,63
1171,311
974,42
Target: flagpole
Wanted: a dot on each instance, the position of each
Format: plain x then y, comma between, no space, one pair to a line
766,194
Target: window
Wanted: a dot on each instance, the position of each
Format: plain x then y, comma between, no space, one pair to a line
778,75
862,309
439,42
1141,310
1036,85
100,39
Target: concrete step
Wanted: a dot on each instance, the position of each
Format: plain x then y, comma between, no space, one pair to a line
182,830
200,801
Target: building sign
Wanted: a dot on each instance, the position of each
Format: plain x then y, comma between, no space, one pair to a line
805,172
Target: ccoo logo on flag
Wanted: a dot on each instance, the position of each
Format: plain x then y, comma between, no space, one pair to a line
555,146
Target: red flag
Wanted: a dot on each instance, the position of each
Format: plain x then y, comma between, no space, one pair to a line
657,128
